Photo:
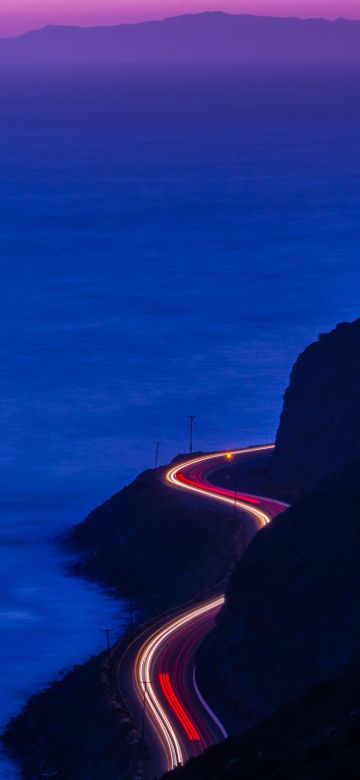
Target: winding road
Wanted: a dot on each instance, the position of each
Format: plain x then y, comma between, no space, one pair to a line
176,721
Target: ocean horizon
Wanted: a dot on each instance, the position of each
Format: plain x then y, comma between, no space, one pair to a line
162,254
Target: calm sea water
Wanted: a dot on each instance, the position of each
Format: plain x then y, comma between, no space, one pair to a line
168,247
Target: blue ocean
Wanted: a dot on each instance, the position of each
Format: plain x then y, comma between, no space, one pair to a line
169,244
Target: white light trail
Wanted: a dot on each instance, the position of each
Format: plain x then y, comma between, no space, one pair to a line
146,658
144,683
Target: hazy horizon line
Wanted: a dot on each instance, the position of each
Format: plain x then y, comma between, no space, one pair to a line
178,16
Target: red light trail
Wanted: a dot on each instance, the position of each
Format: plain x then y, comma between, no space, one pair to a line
163,658
175,704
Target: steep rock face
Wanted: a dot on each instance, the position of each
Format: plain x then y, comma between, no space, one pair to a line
314,737
291,619
319,428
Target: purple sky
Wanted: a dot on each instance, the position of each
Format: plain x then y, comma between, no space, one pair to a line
17,16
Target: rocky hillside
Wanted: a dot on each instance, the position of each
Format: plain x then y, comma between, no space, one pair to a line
292,615
74,730
315,737
287,646
137,544
319,428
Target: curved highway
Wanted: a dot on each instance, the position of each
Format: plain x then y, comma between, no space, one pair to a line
161,662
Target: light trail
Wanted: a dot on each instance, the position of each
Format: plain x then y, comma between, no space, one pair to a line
152,668
176,477
176,705
144,683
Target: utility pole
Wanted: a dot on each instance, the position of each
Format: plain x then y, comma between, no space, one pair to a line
157,449
191,418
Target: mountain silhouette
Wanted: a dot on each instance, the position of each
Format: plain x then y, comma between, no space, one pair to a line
200,38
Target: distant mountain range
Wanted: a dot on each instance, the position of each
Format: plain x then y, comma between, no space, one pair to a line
198,38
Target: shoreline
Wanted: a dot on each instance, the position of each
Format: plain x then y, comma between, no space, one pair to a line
171,505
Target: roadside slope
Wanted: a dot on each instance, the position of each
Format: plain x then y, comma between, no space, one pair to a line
291,618
155,546
316,736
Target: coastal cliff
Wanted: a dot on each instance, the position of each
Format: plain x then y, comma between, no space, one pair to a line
291,619
154,547
287,644
319,427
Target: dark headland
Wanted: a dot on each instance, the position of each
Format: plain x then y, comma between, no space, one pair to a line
287,645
